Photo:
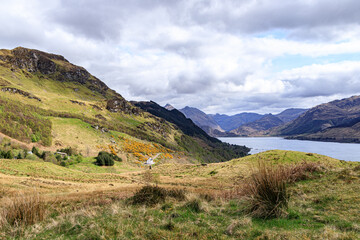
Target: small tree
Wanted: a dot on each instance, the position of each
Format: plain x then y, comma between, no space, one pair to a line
9,155
104,159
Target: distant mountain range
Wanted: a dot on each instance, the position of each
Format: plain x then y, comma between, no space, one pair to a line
338,121
242,124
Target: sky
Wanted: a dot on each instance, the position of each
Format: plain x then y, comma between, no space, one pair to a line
225,56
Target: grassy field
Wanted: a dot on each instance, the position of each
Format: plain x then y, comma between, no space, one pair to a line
84,201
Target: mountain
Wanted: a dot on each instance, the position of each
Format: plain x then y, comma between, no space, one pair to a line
49,102
201,119
212,149
229,123
290,114
258,127
169,107
334,121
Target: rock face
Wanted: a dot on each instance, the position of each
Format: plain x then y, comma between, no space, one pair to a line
121,105
56,66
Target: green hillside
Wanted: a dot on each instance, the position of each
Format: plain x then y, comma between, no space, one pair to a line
42,92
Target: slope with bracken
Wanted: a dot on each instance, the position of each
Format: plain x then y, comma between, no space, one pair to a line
49,101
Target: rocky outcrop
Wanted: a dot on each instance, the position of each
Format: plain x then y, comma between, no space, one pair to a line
121,105
56,66
21,92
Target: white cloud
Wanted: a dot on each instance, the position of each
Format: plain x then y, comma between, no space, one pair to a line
206,54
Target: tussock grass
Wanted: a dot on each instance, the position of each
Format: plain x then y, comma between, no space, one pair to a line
151,195
266,191
24,210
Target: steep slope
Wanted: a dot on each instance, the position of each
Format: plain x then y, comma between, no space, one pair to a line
321,117
212,148
258,127
201,119
231,122
47,101
290,114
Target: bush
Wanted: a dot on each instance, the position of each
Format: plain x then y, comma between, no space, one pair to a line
9,155
69,151
105,159
35,151
24,210
149,195
267,192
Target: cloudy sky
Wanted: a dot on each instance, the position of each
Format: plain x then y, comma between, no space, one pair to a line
220,56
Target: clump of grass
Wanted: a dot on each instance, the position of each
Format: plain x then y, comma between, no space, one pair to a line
194,205
301,171
267,192
24,210
178,194
149,195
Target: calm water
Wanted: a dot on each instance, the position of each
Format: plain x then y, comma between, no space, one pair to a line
342,151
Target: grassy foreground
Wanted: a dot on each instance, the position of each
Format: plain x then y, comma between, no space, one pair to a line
86,202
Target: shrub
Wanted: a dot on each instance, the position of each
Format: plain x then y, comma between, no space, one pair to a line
69,151
149,195
24,210
267,192
104,159
9,155
35,151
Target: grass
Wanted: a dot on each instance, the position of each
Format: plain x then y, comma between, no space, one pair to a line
321,206
266,191
24,210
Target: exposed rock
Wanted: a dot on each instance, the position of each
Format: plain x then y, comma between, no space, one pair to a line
121,105
96,107
3,82
33,60
21,92
77,102
101,117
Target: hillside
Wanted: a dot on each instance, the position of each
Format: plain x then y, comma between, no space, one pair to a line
229,123
212,149
333,121
87,202
258,127
49,102
290,114
201,119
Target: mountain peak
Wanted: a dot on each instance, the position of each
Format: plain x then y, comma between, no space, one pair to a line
169,107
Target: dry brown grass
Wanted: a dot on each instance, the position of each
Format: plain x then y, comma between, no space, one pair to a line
266,189
24,209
